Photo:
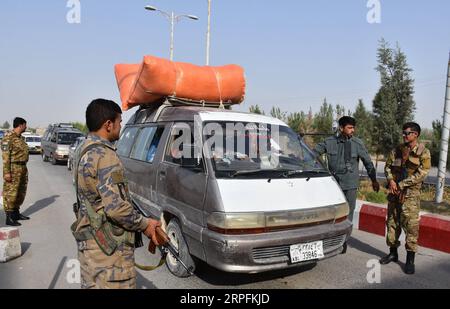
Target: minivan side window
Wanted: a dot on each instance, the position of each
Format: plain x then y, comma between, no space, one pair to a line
146,144
177,139
126,141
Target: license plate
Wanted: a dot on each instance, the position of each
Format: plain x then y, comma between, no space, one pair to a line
306,252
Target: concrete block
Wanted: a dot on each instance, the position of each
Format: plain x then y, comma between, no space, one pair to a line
10,247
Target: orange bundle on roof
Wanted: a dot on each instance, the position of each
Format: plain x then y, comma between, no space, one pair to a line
156,78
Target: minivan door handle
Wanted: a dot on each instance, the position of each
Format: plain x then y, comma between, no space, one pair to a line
162,174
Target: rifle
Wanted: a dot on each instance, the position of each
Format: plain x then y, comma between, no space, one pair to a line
169,248
164,249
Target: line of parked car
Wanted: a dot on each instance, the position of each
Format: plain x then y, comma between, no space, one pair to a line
57,145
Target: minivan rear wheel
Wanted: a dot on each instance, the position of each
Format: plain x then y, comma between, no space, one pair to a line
178,241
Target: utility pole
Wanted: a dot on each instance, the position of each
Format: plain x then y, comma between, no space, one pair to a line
208,33
444,142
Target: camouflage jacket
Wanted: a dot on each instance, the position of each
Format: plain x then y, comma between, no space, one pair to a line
14,149
347,174
416,167
101,181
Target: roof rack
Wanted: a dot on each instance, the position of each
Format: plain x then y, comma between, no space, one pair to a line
201,103
175,101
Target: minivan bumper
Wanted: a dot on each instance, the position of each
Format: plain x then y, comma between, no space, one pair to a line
270,251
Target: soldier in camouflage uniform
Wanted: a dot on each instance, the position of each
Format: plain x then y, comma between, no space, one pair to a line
406,168
15,173
106,220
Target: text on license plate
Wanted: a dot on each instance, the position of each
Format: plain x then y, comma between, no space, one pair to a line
306,252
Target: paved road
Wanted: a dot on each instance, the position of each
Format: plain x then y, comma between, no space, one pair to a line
48,248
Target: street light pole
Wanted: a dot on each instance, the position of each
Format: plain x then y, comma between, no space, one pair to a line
172,30
444,142
208,33
172,19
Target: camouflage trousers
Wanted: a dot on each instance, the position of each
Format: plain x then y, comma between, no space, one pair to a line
14,192
99,271
404,217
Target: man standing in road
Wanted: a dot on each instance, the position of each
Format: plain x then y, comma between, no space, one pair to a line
406,168
106,220
15,173
343,153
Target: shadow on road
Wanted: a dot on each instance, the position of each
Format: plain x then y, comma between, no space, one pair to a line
361,246
216,277
143,283
39,205
25,246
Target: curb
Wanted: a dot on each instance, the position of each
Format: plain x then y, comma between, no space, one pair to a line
434,230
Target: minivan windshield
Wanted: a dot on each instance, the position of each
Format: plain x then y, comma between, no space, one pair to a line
67,138
259,151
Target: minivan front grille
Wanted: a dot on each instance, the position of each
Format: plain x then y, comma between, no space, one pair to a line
281,253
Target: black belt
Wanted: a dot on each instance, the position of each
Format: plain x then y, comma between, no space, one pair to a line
19,163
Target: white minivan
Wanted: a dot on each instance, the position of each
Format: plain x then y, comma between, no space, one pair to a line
242,192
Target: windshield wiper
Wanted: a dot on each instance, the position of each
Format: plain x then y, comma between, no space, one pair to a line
303,172
250,172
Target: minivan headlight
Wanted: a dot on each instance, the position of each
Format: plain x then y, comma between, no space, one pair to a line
253,223
342,211
227,221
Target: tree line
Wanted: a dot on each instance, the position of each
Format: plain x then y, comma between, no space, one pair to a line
380,127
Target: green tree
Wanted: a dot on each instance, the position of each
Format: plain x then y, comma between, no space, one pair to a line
296,120
80,126
6,125
435,146
255,109
393,105
364,124
277,113
323,120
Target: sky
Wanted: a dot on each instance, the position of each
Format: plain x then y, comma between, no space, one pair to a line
294,52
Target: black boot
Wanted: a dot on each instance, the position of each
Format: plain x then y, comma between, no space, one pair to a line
19,216
391,257
10,219
409,266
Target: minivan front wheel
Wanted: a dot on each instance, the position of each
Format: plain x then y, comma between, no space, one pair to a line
178,241
44,157
53,159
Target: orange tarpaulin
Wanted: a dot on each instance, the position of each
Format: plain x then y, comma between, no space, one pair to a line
156,78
